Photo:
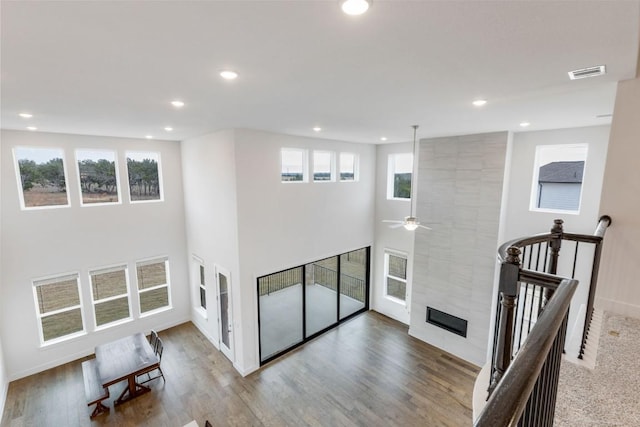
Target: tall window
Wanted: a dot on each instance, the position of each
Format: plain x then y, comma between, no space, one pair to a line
153,284
202,289
293,165
59,309
110,294
145,180
41,177
399,176
323,166
98,176
348,167
558,176
395,275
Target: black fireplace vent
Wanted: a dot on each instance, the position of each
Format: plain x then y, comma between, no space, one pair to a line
446,321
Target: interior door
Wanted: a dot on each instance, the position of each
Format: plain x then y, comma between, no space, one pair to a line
225,321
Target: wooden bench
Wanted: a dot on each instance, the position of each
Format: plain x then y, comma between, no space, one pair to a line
93,387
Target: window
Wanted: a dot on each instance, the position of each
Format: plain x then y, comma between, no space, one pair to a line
110,294
98,177
294,165
323,166
153,284
145,180
348,167
399,177
395,276
558,176
41,177
58,307
202,289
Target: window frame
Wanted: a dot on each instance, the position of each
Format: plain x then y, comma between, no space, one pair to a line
356,167
391,173
199,273
117,176
49,280
160,179
127,294
21,196
332,166
305,165
398,254
167,284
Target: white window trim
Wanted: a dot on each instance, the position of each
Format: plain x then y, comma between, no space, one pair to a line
356,168
118,186
398,254
332,166
305,165
391,171
19,180
160,179
127,294
167,285
44,281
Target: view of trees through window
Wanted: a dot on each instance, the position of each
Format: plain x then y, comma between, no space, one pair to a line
396,275
400,170
98,179
42,177
144,176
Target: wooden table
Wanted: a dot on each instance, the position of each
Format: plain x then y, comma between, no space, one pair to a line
125,359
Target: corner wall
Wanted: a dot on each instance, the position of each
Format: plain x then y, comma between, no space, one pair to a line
45,242
460,189
618,288
4,380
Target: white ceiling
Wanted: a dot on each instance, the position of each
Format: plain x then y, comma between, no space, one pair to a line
112,68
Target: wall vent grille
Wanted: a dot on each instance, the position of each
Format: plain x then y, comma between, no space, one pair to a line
583,73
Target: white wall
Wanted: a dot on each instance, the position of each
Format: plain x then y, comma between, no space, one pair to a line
521,221
282,225
397,239
618,289
46,242
460,189
208,164
4,380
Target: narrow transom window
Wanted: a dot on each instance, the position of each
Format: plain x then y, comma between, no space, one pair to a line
203,288
145,179
323,166
153,285
558,177
58,308
97,172
110,294
399,176
293,165
395,272
41,177
348,167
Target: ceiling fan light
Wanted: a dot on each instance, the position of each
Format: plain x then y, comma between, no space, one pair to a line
355,7
410,226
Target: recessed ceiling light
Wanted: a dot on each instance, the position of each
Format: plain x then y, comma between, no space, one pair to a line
177,103
479,102
525,124
32,128
228,74
149,136
383,138
168,128
355,7
26,115
317,129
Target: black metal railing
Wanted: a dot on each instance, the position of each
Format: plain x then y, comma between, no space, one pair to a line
353,287
531,275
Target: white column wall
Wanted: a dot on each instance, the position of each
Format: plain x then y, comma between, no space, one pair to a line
618,289
38,243
4,379
460,186
397,239
208,164
282,225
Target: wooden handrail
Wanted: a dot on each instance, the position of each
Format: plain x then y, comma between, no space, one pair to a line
509,398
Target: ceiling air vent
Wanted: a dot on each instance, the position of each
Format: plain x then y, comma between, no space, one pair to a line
587,72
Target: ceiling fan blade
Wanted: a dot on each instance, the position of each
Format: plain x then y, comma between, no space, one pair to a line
393,221
425,227
400,224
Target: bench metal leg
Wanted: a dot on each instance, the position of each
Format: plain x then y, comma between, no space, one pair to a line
99,409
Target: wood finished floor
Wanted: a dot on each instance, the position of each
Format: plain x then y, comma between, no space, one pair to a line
367,372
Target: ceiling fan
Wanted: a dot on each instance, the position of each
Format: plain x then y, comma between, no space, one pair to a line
410,222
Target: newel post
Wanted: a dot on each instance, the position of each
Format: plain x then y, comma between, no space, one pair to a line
508,288
555,243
